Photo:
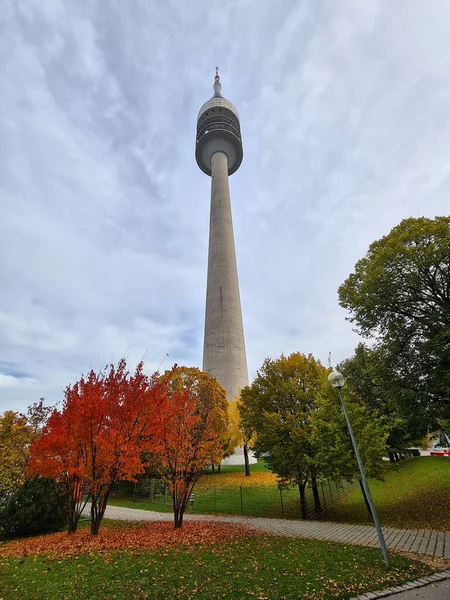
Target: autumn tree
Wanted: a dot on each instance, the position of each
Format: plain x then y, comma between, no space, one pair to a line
232,440
60,453
16,436
278,405
399,295
242,433
98,436
38,414
17,432
190,426
116,423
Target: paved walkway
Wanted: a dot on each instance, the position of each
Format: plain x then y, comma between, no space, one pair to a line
425,542
434,587
435,591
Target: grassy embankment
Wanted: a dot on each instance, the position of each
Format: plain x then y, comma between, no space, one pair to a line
231,492
248,566
415,495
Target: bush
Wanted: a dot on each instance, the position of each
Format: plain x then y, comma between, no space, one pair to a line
37,507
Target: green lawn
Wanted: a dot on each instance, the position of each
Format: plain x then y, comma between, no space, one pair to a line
230,492
416,495
257,502
262,567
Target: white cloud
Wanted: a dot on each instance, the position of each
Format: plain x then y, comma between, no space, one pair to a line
104,227
8,381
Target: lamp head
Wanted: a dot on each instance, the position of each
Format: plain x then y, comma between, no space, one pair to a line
336,379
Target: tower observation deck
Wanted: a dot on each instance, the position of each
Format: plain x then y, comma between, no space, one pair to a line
218,130
219,154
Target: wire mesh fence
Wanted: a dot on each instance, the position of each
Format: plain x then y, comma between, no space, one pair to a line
212,498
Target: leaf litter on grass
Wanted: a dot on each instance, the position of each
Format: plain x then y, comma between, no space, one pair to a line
234,480
247,567
149,536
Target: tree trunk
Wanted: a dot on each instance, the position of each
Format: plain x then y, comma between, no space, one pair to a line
218,468
178,520
301,489
179,507
212,468
391,457
74,509
315,490
98,507
247,461
74,517
71,515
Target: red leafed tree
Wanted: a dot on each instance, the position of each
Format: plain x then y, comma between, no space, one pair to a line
118,433
59,454
97,439
189,427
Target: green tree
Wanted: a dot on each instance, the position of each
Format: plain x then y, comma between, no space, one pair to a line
278,406
371,381
333,450
38,506
399,294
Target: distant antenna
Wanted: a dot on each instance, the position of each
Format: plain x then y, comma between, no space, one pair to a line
329,360
163,359
217,85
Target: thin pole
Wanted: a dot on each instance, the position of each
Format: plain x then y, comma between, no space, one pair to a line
323,495
366,485
163,359
282,504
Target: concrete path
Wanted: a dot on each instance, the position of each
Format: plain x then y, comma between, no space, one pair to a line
425,542
434,587
434,591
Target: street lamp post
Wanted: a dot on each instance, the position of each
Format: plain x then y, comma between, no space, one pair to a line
337,380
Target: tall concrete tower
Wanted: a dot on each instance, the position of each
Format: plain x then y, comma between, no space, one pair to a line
219,154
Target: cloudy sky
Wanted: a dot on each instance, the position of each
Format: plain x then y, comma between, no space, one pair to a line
344,110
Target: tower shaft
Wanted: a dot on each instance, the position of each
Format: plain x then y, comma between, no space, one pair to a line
219,153
224,347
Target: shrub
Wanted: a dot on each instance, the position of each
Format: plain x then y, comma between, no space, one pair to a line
38,506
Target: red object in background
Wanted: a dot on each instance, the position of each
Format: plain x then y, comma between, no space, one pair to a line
440,452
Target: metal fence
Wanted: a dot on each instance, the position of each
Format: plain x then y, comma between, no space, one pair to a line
212,498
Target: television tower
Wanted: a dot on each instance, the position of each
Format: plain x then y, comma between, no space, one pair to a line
219,154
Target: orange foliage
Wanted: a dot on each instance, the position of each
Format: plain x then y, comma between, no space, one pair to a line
98,436
58,454
152,536
109,420
190,425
